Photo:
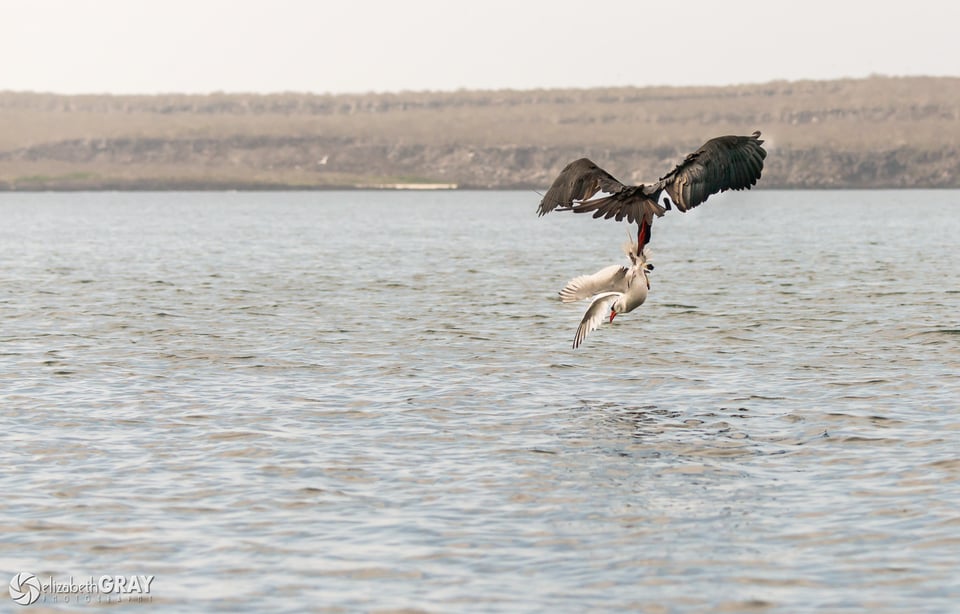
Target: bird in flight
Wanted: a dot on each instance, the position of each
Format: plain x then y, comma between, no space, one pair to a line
723,163
612,290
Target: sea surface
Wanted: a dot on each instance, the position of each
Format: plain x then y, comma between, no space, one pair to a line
368,401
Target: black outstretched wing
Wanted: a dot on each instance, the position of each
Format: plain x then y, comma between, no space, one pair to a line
631,203
724,163
578,181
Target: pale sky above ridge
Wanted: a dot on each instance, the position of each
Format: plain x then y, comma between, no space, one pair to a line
199,46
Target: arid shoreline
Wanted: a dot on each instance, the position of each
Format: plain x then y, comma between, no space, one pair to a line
880,132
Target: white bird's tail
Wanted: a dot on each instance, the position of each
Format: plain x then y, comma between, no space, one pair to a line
630,249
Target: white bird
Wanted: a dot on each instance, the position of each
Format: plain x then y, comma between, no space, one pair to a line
614,290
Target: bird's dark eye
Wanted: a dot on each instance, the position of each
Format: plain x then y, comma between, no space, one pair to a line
649,267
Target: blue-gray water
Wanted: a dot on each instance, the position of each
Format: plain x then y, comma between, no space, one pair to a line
365,401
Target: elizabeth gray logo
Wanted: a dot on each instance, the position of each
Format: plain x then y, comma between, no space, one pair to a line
25,588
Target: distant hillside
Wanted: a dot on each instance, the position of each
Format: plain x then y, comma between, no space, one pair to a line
880,132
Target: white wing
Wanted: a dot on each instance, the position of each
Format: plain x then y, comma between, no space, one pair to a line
594,316
609,279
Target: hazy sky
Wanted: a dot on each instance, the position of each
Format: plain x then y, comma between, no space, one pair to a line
149,46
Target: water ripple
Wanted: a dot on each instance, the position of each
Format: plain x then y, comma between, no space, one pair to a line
230,392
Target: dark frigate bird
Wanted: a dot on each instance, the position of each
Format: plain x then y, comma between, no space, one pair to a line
723,163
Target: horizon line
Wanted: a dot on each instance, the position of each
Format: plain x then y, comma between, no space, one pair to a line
460,90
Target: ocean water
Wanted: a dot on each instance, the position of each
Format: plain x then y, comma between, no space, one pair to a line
368,401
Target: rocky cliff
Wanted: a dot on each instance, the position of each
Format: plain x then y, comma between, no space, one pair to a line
868,133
